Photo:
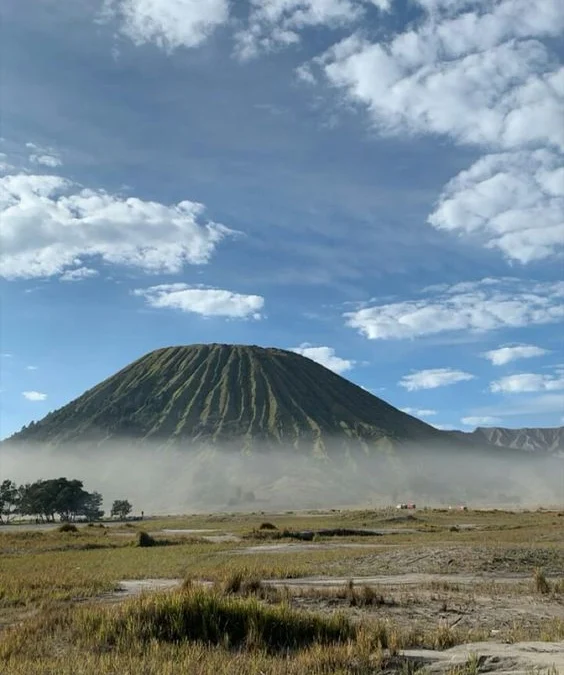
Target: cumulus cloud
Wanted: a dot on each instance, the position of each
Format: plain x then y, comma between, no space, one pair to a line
528,382
480,306
50,224
419,412
504,355
325,356
480,421
512,201
207,302
169,24
433,378
34,395
479,74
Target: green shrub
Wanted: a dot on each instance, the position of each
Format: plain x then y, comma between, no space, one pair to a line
67,527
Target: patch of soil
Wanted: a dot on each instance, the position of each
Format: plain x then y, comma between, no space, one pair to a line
456,560
502,659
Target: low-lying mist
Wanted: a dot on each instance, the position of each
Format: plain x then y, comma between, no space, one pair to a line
184,480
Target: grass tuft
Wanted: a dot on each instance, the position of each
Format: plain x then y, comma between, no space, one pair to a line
541,583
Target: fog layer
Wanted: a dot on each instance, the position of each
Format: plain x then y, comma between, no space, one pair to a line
183,480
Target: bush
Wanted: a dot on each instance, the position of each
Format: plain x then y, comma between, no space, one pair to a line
67,527
267,526
144,540
196,614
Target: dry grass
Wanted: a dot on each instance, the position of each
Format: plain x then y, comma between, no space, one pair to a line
69,635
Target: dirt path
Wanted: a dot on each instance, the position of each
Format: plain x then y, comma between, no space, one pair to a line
287,547
398,580
520,658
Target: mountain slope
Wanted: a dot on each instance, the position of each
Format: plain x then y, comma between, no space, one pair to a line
219,393
549,440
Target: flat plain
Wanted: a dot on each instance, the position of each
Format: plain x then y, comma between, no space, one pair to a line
445,591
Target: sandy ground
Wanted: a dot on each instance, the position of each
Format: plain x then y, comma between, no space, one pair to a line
287,547
522,658
398,580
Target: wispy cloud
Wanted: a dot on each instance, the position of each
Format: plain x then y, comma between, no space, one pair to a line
528,382
325,356
274,24
207,302
504,355
78,274
481,306
34,395
419,412
433,378
480,421
43,156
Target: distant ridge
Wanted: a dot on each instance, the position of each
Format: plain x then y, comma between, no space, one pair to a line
219,393
550,439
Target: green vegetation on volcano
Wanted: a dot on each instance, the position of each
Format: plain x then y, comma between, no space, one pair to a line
220,393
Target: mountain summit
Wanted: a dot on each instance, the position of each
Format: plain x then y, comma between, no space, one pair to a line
217,393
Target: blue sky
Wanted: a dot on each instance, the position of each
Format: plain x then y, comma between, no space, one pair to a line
376,183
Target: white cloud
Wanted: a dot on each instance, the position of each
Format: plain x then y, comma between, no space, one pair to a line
5,166
204,301
511,201
478,74
169,24
34,395
474,306
528,382
480,421
465,77
31,367
433,378
504,355
542,404
277,23
419,412
325,356
78,274
49,224
43,156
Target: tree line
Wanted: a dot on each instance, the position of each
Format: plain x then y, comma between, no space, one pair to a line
64,498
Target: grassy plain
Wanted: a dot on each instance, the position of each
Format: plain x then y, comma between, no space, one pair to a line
308,595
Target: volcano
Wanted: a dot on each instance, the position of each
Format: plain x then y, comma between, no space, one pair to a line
217,394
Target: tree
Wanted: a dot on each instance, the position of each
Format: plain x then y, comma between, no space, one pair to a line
9,500
59,496
121,508
92,507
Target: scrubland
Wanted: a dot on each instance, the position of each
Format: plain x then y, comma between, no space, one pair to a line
375,591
